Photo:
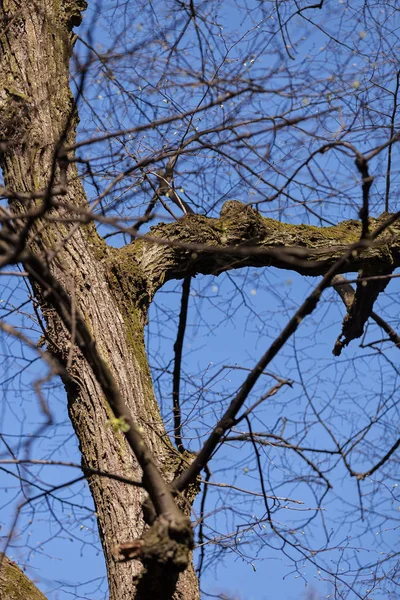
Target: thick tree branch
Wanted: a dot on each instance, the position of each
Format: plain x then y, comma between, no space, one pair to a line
242,237
14,584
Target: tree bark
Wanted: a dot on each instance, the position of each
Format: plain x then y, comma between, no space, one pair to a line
14,584
241,237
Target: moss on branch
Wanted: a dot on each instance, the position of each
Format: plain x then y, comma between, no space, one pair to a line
14,584
243,237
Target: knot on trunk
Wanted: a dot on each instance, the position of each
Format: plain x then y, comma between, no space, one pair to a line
167,542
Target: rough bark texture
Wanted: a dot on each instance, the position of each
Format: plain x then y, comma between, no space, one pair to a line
242,237
14,584
36,113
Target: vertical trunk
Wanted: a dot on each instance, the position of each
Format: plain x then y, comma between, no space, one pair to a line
35,106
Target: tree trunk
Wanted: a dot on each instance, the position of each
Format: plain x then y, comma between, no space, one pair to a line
37,118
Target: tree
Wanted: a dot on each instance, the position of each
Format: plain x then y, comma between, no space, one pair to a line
205,168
